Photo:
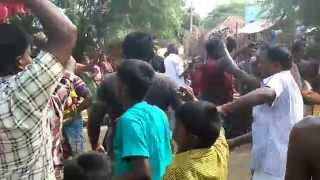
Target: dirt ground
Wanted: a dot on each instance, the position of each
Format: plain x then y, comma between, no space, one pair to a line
240,164
239,159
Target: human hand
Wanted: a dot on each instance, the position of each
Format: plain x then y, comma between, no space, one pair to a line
222,110
186,94
100,149
306,93
39,39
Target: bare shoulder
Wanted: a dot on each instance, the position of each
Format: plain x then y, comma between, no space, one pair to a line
306,133
309,122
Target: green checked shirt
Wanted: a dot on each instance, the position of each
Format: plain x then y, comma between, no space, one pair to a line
25,140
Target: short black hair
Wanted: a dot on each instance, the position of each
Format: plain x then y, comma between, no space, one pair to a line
215,48
137,76
89,166
200,119
171,49
231,44
138,45
298,45
278,54
13,43
157,62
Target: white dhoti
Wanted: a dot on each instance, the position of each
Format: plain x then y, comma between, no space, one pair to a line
264,176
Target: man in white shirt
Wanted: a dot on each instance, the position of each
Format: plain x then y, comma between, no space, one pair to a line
174,65
278,106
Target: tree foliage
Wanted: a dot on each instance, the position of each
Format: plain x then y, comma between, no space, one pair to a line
306,11
100,22
219,14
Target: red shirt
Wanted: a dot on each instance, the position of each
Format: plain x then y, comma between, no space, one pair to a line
215,85
10,9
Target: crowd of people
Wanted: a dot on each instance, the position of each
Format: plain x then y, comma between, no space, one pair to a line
165,120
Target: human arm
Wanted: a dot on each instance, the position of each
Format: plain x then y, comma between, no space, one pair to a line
82,91
102,104
240,140
141,170
256,97
85,104
242,76
97,112
61,33
311,97
80,68
229,64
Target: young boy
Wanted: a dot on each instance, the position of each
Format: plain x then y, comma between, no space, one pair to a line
142,143
203,150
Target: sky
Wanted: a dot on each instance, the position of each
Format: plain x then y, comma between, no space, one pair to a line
203,7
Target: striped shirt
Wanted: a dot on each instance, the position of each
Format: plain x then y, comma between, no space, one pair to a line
25,140
203,164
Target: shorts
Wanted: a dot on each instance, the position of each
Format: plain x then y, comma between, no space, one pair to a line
73,132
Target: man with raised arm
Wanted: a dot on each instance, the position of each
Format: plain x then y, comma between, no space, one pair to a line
25,141
277,107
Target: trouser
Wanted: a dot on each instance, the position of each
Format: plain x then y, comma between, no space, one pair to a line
264,176
73,132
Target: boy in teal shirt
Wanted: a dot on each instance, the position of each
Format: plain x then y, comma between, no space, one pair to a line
142,143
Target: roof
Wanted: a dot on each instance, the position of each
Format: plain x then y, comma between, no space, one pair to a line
232,23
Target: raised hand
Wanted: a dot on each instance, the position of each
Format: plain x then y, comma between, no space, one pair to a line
186,94
227,61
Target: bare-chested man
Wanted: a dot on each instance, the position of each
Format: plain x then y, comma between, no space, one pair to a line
303,152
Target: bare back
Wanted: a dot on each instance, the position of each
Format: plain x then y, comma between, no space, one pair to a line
304,151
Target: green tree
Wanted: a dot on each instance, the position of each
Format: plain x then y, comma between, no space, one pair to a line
305,11
219,14
186,20
102,21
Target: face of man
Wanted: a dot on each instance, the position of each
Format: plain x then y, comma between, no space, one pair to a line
121,90
265,67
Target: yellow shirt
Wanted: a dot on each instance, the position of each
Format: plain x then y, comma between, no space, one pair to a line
68,112
201,164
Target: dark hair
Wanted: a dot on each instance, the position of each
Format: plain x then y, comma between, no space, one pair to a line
297,46
137,76
157,62
138,45
231,44
89,166
200,119
214,48
13,43
278,54
171,49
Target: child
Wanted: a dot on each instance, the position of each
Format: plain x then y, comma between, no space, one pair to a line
89,166
203,150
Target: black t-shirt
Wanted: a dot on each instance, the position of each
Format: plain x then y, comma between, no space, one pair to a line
162,93
158,64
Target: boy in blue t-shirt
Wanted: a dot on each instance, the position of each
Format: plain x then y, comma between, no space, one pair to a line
142,143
